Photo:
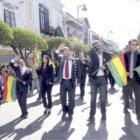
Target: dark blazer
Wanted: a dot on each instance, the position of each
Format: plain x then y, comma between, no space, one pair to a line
27,77
127,58
83,67
95,63
76,72
47,74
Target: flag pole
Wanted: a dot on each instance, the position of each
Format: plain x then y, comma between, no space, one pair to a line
108,61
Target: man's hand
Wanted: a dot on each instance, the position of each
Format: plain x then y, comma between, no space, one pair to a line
103,67
78,84
100,42
61,46
36,67
127,73
17,57
24,83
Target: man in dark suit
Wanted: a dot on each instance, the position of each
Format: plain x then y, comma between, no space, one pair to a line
67,75
24,77
98,75
83,67
132,60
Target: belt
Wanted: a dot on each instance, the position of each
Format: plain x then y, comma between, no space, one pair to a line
100,76
66,79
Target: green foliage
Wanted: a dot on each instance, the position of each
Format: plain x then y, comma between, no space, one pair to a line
6,35
25,39
79,46
54,42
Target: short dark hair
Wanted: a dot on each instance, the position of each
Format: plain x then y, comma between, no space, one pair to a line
130,41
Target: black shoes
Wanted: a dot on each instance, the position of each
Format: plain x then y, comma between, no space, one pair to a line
64,115
70,117
103,117
91,119
138,117
125,111
24,116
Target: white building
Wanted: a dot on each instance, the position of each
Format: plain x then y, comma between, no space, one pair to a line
40,16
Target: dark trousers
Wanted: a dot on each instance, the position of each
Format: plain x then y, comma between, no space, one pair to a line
134,86
47,89
101,83
66,86
82,86
22,98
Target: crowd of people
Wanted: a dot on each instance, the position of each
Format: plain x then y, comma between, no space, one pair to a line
72,71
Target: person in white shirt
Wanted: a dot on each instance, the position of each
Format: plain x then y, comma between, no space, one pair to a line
69,71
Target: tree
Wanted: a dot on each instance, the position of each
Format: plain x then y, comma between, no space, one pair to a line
76,46
6,34
54,42
24,42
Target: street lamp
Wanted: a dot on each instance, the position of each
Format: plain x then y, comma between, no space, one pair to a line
83,9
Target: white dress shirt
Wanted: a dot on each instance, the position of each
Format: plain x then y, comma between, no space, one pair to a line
100,72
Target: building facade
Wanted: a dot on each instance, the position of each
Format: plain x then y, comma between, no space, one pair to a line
43,17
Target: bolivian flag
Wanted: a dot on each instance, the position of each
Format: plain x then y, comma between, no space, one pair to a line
118,70
9,89
36,58
138,70
51,62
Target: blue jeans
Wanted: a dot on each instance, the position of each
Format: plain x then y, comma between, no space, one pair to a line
101,83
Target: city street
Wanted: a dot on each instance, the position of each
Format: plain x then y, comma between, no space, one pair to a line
118,126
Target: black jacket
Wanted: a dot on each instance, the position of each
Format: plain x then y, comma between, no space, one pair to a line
27,77
95,63
47,74
127,57
76,72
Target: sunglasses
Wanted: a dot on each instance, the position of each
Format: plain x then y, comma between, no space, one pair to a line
134,44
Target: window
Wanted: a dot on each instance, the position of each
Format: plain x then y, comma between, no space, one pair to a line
44,19
9,18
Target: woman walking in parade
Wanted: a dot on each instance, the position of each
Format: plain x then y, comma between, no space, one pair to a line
47,75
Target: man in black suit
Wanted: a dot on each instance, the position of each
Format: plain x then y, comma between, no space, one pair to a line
83,67
132,60
67,75
24,77
98,75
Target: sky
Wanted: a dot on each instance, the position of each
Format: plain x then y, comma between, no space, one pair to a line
119,18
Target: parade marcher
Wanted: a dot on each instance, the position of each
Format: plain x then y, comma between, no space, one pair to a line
132,60
98,79
69,71
83,67
46,72
24,77
35,81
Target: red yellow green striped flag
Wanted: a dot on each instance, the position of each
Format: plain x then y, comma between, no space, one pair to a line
51,62
138,70
118,70
36,58
138,47
9,88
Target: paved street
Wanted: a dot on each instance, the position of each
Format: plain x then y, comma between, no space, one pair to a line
38,126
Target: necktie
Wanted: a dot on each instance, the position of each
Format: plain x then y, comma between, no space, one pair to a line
67,69
131,65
